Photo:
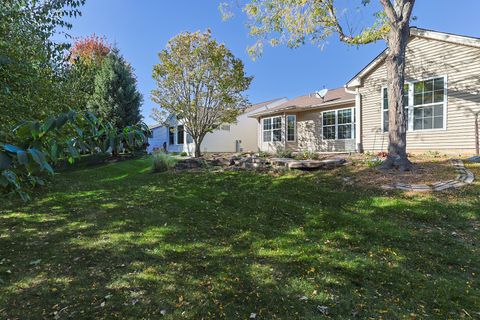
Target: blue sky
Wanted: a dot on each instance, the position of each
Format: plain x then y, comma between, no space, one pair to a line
141,28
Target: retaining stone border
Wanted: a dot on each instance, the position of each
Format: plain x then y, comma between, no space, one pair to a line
463,178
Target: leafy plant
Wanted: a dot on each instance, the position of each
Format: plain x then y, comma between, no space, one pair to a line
307,155
162,162
34,147
183,154
283,153
374,162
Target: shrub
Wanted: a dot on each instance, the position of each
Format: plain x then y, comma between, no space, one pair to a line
162,161
307,155
284,153
374,162
264,154
183,154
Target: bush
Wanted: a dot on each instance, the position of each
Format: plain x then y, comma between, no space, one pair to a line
374,162
284,153
183,154
162,162
307,155
264,154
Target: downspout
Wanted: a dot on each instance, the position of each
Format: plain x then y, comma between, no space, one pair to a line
477,138
285,131
358,119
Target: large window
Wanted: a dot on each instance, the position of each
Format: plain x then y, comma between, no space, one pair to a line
338,124
428,104
329,125
272,129
291,127
171,135
180,134
425,102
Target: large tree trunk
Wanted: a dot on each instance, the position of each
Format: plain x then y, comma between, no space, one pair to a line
397,114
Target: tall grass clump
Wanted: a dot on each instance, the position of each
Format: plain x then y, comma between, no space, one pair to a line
162,162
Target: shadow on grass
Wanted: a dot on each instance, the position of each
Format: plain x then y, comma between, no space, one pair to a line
119,242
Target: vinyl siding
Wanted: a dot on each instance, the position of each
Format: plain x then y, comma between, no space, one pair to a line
428,58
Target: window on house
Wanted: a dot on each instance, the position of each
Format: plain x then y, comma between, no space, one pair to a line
291,126
267,130
385,105
189,138
272,129
171,135
338,124
329,125
180,134
345,124
225,127
428,104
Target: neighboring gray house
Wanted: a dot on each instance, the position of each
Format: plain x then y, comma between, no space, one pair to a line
234,137
442,96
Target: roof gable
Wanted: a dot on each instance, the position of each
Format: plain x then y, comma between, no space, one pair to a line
356,81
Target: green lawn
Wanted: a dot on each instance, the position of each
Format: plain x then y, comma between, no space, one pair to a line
117,241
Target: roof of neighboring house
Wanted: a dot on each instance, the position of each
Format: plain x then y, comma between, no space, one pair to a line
311,101
155,126
259,105
420,33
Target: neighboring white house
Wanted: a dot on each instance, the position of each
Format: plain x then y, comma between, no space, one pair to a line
235,137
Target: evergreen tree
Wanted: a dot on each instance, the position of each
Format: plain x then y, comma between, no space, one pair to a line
115,95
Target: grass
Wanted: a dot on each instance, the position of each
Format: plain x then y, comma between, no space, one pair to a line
118,241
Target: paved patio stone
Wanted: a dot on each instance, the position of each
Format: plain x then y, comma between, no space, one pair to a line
463,178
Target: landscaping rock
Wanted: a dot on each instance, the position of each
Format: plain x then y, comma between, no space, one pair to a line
474,159
307,164
190,163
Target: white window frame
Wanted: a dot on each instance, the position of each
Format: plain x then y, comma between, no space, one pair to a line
294,127
353,123
271,130
410,108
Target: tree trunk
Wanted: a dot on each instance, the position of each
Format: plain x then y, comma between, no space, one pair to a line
197,150
397,114
198,143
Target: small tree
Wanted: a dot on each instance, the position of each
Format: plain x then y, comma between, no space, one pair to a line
201,82
294,21
115,96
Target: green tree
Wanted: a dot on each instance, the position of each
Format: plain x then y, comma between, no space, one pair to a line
293,22
201,82
32,68
85,60
115,96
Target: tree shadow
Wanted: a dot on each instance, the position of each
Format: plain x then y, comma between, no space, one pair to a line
223,245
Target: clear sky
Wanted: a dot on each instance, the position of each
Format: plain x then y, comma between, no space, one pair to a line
141,28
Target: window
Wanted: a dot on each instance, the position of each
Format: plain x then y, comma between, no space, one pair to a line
272,129
385,105
425,102
180,134
428,104
171,135
291,126
225,127
189,138
329,125
338,124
